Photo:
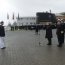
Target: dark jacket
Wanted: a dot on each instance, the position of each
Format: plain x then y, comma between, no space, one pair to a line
48,31
37,28
2,31
60,30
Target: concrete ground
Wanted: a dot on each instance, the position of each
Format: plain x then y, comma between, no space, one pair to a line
22,48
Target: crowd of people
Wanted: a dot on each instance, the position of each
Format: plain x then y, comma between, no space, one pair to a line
60,29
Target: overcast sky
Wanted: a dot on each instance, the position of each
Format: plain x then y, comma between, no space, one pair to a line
29,7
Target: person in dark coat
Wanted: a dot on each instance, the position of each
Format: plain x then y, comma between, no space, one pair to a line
49,33
60,33
37,29
62,28
2,35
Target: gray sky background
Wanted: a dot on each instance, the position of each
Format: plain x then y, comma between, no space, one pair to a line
29,7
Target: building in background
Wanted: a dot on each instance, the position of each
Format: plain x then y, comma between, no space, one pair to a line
26,22
45,17
60,16
30,22
22,21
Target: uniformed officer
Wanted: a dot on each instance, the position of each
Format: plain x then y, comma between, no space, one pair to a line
49,33
60,33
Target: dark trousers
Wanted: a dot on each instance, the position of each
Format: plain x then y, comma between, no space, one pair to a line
61,40
49,40
36,32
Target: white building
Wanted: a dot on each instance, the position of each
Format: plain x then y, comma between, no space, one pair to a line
26,21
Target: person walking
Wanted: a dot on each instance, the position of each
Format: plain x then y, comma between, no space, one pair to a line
2,35
49,33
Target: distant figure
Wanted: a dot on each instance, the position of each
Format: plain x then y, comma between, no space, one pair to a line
2,35
37,29
49,33
60,33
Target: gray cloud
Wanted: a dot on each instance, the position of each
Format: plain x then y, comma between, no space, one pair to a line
30,7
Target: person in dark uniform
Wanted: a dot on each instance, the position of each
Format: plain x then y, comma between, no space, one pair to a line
2,35
49,33
62,28
60,33
37,29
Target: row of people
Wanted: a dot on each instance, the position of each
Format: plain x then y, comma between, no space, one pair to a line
59,32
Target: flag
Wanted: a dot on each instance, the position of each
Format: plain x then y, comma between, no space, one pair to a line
7,16
13,16
18,15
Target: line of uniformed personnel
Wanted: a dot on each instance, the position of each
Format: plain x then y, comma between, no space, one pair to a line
59,32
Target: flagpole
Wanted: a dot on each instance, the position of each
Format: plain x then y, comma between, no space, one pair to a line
13,21
8,18
18,19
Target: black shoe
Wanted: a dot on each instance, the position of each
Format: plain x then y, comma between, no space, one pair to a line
59,45
3,48
48,44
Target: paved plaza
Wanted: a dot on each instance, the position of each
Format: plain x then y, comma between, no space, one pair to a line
22,48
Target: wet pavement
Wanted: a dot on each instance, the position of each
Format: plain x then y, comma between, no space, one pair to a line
22,48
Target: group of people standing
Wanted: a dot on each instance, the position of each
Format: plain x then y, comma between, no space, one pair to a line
60,29
59,32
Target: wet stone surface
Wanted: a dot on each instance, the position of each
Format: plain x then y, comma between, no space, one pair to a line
22,48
